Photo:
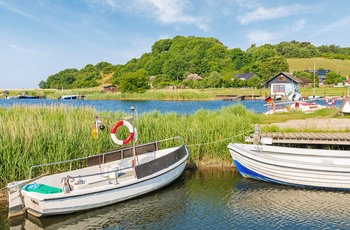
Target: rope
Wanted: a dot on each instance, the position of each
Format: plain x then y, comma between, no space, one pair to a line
213,142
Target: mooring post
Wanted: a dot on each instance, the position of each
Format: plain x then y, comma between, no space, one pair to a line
256,136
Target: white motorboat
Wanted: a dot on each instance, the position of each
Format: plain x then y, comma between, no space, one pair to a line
99,180
293,166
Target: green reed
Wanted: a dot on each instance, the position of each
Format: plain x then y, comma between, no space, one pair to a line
32,135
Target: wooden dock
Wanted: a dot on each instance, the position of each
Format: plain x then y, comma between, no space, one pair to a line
305,138
232,97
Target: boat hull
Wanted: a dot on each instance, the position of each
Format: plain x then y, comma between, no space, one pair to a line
293,166
111,195
102,186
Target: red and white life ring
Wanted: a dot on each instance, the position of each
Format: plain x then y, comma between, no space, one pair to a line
114,129
330,101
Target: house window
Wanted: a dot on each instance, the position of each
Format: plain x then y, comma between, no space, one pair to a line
281,78
279,88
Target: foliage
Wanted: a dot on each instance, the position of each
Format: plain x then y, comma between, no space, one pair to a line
213,80
89,76
333,78
134,82
171,60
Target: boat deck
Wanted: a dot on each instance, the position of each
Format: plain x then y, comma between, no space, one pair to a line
305,138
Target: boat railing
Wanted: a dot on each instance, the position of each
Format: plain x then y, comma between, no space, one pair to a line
102,156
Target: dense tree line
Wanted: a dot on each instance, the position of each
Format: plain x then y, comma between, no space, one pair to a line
172,60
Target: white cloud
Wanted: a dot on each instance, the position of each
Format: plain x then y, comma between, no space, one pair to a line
261,37
343,24
164,11
23,50
296,26
273,13
16,10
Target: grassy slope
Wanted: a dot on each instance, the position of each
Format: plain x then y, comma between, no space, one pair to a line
343,66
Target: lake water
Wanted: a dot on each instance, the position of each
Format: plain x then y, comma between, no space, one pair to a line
212,199
180,107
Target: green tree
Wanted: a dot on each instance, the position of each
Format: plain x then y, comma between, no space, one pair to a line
333,78
42,85
213,80
134,82
254,82
271,66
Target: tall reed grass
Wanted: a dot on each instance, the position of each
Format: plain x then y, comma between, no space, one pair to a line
32,135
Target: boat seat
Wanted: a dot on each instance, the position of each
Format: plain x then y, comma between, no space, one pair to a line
91,182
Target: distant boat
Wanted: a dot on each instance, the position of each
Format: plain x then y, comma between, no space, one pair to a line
276,108
71,97
306,106
22,97
314,97
288,106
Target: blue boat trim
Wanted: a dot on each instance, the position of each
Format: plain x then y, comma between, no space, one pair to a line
246,172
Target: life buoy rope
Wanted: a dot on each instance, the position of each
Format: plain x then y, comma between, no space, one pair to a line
114,130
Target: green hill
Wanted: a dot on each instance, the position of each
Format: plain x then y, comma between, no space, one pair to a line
342,66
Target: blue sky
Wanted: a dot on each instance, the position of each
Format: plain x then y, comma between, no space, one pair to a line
39,38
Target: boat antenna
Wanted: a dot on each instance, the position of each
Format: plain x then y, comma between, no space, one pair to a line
314,78
133,108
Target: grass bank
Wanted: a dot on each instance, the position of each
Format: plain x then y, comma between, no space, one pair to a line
41,134
176,94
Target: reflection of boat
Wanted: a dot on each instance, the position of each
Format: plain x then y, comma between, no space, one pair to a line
102,179
272,206
71,97
293,166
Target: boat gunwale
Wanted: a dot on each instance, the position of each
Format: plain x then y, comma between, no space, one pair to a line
291,162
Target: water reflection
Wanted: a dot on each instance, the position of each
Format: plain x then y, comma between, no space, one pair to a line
273,206
213,199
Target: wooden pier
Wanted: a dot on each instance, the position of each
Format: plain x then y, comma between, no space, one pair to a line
232,97
305,138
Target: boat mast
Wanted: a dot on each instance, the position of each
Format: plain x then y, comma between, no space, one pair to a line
314,78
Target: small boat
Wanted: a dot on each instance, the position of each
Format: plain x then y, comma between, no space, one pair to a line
102,179
306,106
276,108
22,97
302,167
71,97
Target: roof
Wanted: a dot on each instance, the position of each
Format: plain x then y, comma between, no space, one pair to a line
109,86
245,76
290,76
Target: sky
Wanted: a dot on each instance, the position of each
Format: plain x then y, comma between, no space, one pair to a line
39,38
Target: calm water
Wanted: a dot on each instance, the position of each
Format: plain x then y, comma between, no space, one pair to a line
213,199
181,107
